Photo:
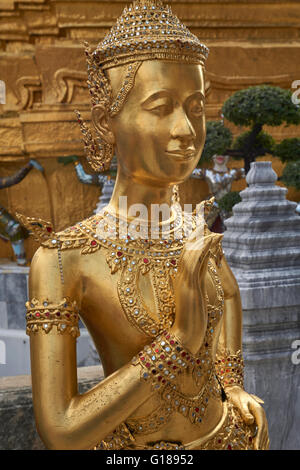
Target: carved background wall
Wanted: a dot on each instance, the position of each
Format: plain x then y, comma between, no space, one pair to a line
43,67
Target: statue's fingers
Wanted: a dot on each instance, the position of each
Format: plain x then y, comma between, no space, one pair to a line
261,439
260,419
256,398
245,413
265,443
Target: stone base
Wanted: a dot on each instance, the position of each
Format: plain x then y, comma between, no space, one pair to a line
18,430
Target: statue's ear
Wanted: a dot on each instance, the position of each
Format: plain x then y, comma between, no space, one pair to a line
100,120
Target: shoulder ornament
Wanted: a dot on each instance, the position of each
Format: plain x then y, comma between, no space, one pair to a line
78,236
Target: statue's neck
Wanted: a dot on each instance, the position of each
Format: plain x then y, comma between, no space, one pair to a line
130,192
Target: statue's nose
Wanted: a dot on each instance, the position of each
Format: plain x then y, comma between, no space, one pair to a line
183,128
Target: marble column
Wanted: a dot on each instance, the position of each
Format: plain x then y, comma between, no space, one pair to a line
262,246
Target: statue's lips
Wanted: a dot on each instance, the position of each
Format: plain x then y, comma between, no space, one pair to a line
182,156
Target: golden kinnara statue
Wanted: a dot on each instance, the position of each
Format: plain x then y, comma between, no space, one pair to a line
164,311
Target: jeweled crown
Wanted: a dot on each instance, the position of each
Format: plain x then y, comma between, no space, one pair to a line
146,30
149,30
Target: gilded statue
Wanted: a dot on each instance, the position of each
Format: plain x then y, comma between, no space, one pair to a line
163,311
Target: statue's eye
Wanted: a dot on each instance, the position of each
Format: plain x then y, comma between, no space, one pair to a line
161,105
162,109
196,108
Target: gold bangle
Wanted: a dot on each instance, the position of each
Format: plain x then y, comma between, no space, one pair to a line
162,360
230,369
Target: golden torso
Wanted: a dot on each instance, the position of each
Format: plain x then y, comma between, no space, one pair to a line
118,336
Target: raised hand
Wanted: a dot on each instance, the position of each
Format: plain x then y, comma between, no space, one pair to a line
189,288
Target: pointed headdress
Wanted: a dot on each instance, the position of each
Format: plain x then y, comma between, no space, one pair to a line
146,30
149,30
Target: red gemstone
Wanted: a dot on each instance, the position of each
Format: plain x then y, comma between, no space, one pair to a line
58,314
157,350
198,361
162,356
146,261
142,358
163,381
250,439
169,363
229,447
67,315
183,354
37,314
49,229
219,441
171,342
148,364
159,378
173,261
119,253
174,367
168,337
197,410
188,358
93,243
47,314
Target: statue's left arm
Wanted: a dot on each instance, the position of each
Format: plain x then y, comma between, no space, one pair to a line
229,360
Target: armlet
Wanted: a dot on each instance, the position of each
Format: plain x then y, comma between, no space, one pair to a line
45,315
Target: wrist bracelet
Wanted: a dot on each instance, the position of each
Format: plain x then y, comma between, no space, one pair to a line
230,369
163,360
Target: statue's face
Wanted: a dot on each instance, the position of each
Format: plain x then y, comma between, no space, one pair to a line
221,159
160,131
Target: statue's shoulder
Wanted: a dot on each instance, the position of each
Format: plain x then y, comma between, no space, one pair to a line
81,235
